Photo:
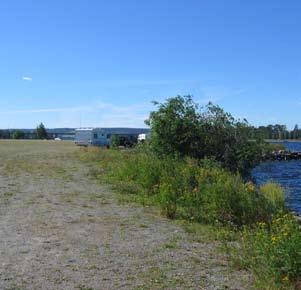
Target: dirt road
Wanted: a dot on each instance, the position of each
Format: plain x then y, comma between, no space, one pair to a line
60,229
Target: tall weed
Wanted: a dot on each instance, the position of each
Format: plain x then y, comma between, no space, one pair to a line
189,189
272,251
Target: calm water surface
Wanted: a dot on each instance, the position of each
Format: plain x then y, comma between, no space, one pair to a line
286,173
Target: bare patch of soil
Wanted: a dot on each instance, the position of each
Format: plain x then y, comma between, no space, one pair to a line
60,229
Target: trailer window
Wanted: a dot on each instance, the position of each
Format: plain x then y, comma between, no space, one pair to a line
95,135
108,136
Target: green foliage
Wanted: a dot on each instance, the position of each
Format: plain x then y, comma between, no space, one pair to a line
174,127
270,147
115,141
186,188
41,131
274,194
125,141
18,134
181,128
272,251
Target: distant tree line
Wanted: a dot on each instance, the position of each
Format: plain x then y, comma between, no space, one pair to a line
39,133
276,132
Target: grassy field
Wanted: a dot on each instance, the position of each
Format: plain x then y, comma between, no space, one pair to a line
60,229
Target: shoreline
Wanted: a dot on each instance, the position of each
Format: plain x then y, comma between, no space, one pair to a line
282,140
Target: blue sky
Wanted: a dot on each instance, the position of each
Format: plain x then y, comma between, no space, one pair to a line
101,63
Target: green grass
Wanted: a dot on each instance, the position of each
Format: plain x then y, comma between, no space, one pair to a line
183,189
143,226
8,194
83,287
172,244
6,197
68,197
158,278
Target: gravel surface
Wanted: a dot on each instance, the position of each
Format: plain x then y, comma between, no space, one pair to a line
60,229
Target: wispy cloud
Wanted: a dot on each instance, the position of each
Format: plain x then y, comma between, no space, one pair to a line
118,109
27,78
218,93
140,82
92,115
44,110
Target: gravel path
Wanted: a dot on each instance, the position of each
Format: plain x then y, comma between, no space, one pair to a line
60,229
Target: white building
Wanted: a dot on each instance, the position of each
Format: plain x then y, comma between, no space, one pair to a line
103,136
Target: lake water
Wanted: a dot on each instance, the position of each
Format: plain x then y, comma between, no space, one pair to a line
286,173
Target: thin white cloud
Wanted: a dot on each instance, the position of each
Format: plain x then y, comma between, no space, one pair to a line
93,115
103,115
217,93
46,110
118,109
27,78
141,82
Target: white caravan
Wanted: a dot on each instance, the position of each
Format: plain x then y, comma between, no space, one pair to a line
102,136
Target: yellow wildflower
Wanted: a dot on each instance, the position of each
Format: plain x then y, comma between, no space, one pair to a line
250,186
285,278
261,224
274,239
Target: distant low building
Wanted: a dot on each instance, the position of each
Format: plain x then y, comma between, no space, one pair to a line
62,133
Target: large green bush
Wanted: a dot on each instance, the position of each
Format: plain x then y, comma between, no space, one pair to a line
180,127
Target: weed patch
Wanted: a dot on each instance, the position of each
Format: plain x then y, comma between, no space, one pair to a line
212,203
